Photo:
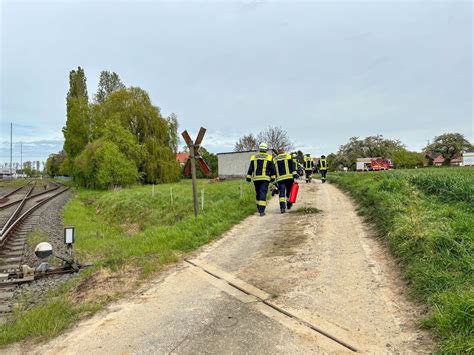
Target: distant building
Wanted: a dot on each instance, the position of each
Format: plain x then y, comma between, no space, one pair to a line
5,173
234,165
468,159
182,158
456,161
439,161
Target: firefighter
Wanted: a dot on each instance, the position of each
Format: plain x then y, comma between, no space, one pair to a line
262,172
285,177
308,167
323,168
297,164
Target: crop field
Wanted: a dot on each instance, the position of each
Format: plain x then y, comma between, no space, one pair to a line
426,217
128,235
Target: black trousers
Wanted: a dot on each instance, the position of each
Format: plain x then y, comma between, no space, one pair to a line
323,174
284,189
308,173
261,190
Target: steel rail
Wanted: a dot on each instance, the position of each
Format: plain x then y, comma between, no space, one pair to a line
5,234
32,196
16,212
279,309
15,190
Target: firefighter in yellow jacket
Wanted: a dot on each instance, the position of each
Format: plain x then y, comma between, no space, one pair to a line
262,172
285,177
308,167
323,168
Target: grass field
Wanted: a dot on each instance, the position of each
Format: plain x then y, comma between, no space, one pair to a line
426,216
129,235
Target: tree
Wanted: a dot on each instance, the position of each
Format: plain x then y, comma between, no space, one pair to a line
157,137
369,147
276,138
449,145
77,129
55,164
404,159
108,83
28,169
211,160
102,165
172,122
119,118
245,143
333,162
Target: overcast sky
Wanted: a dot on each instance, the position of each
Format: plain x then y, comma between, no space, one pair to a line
324,71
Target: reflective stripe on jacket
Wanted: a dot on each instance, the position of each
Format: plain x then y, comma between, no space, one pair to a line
261,167
308,163
284,166
323,165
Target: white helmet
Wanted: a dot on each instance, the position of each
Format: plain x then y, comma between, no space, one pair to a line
263,146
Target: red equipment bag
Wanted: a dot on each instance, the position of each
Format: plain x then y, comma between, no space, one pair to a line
293,193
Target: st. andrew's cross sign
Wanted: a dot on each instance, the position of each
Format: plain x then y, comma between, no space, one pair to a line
194,156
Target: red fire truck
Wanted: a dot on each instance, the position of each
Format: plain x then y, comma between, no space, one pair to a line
373,164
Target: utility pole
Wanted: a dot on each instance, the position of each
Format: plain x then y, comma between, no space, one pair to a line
11,149
21,158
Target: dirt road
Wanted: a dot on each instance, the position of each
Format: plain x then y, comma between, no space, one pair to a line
278,284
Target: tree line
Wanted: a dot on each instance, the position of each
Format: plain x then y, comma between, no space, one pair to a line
118,138
448,145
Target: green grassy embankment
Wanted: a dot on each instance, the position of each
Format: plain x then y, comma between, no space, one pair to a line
426,216
129,235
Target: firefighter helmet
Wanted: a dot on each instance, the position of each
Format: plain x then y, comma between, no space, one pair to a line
263,146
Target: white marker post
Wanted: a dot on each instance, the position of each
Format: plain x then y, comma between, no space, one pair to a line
69,236
202,199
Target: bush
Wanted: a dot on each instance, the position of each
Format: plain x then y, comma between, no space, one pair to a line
102,165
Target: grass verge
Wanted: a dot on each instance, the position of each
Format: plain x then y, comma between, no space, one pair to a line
129,235
427,218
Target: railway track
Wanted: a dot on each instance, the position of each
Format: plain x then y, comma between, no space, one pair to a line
16,196
17,219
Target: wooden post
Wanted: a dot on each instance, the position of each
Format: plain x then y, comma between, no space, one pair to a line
194,157
193,175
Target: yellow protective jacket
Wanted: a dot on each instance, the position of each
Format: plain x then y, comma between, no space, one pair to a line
285,167
323,164
261,167
308,163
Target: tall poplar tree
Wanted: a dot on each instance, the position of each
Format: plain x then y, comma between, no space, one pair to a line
77,129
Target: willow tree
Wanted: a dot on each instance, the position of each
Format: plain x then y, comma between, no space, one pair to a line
145,137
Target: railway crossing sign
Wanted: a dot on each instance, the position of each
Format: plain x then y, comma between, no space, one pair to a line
195,156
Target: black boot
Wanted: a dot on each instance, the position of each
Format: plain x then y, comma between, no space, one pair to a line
282,210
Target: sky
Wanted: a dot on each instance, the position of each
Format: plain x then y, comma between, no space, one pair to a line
324,71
